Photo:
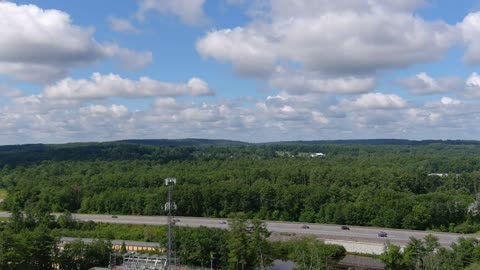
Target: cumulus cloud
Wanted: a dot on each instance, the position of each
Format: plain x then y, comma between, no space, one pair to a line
102,86
246,48
121,25
332,37
470,29
39,118
301,83
320,118
423,84
104,111
450,101
129,60
472,89
42,45
374,101
189,11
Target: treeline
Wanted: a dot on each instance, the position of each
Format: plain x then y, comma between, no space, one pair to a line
30,241
27,242
381,185
428,254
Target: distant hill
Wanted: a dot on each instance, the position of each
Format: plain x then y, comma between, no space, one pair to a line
218,142
184,142
381,142
212,142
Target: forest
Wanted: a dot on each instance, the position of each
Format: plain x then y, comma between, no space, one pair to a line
373,183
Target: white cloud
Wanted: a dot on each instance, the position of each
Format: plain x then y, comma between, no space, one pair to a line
423,84
129,60
422,117
298,83
472,89
450,101
332,37
102,86
189,11
246,48
42,45
320,118
470,29
374,101
121,25
38,118
103,111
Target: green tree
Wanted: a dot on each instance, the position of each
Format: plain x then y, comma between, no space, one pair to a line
123,248
238,243
259,247
392,255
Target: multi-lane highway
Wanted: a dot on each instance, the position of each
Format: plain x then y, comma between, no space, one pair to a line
323,231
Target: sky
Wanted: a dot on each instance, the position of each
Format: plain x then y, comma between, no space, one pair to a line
249,70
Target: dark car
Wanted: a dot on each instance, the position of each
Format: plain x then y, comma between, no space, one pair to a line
114,216
222,222
382,234
345,227
305,227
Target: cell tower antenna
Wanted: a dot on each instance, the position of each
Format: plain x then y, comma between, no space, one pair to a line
170,208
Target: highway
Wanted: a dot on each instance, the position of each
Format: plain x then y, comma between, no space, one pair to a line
322,231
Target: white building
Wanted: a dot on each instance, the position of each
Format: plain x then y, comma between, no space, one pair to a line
317,155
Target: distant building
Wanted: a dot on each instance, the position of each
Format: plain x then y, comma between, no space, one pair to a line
438,174
117,244
314,155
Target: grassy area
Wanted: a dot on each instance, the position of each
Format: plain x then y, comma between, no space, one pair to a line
3,193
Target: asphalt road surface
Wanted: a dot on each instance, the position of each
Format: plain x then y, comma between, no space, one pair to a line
323,231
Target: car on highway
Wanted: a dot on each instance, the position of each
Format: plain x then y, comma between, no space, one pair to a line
114,216
305,227
222,222
345,227
382,234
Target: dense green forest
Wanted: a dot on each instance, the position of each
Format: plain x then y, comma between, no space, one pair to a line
379,183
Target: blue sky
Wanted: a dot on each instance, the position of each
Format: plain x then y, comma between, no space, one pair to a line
251,70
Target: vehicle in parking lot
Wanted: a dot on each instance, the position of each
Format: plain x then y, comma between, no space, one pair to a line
305,227
382,234
345,227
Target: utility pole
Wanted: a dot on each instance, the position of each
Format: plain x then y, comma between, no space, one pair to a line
170,207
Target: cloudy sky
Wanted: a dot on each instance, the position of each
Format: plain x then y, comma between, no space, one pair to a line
251,70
